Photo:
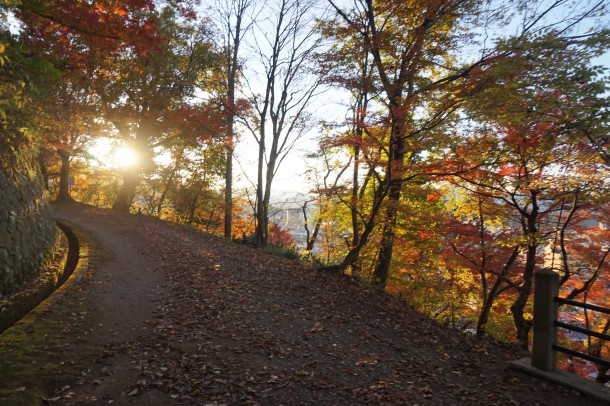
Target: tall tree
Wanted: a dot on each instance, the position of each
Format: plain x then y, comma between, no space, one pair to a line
407,52
543,146
285,44
66,110
533,175
413,46
67,122
147,85
478,243
234,26
82,38
348,65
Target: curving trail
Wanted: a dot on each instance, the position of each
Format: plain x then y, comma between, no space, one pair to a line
167,315
123,292
129,279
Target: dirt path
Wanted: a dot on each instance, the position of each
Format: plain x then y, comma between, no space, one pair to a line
127,285
171,316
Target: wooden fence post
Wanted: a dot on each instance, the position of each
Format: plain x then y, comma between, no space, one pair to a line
545,313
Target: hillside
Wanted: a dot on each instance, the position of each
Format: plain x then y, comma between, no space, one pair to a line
163,314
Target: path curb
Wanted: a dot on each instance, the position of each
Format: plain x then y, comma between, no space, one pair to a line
14,312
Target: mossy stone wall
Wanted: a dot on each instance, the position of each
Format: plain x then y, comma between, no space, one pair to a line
27,230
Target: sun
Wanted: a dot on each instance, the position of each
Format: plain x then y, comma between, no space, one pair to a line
106,153
125,157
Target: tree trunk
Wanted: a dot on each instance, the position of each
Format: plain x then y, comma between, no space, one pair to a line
234,37
494,292
311,238
356,268
163,194
267,195
193,205
126,192
131,176
311,242
228,209
64,177
354,253
359,122
228,215
42,162
523,325
162,197
396,172
261,212
168,184
487,305
384,259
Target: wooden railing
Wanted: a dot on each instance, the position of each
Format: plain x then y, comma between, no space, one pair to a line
546,304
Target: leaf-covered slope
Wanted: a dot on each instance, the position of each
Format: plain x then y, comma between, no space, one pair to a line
232,325
243,327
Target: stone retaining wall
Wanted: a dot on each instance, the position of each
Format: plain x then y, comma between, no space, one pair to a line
27,230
